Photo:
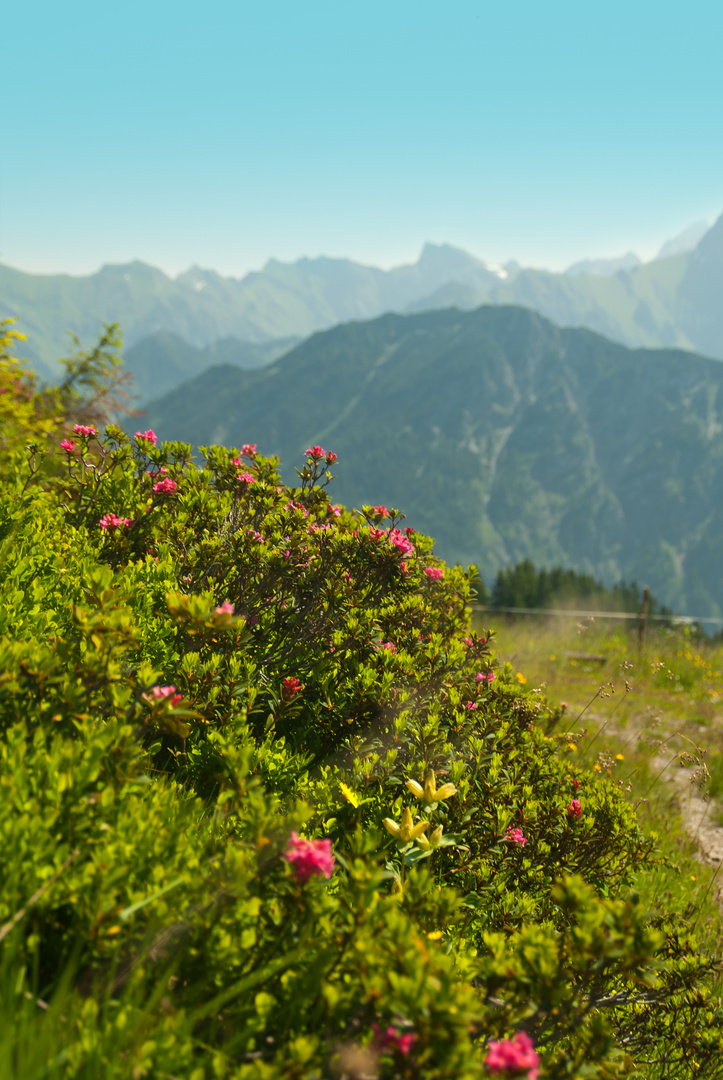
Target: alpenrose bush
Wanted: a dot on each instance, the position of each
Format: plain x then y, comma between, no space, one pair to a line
271,810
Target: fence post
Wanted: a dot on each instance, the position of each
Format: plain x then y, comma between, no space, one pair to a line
643,624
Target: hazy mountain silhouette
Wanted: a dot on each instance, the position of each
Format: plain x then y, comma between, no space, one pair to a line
672,301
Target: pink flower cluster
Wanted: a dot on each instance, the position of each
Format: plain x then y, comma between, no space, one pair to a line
161,693
401,542
165,487
111,521
334,510
574,809
150,435
309,857
248,449
485,676
516,836
392,1039
246,477
434,573
390,646
226,608
318,452
516,1055
380,511
85,429
68,445
290,687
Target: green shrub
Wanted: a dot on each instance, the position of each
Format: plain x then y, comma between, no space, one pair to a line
196,663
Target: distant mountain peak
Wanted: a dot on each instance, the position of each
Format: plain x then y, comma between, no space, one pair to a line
685,241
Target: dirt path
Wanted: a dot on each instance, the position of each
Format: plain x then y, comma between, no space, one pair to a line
697,813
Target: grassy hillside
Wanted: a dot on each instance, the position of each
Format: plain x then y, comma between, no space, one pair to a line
503,436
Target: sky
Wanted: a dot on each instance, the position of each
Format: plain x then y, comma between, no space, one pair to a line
226,133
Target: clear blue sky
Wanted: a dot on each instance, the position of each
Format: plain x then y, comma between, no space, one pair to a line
224,133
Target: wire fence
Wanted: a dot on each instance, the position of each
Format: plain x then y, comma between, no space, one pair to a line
574,613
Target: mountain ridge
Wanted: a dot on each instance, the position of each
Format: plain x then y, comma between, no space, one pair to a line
673,301
501,435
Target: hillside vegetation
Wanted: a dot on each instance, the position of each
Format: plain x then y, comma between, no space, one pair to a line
273,809
501,435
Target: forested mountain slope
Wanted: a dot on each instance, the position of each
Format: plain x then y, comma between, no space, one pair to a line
503,436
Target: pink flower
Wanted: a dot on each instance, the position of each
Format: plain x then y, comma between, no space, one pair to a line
226,608
330,457
469,642
246,477
470,705
165,487
290,687
434,573
335,510
409,531
575,783
309,857
390,646
83,429
392,1039
483,676
516,1056
248,449
400,542
150,435
68,445
163,692
315,452
380,511
111,521
516,836
574,809
376,534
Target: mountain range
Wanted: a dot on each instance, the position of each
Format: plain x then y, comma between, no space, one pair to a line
500,434
673,301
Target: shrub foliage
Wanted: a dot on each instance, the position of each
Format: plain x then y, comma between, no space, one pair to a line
200,669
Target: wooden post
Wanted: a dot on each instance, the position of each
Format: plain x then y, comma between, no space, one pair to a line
643,625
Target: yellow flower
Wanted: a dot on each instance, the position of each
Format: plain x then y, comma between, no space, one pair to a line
407,830
433,841
430,792
434,935
521,678
620,757
349,795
